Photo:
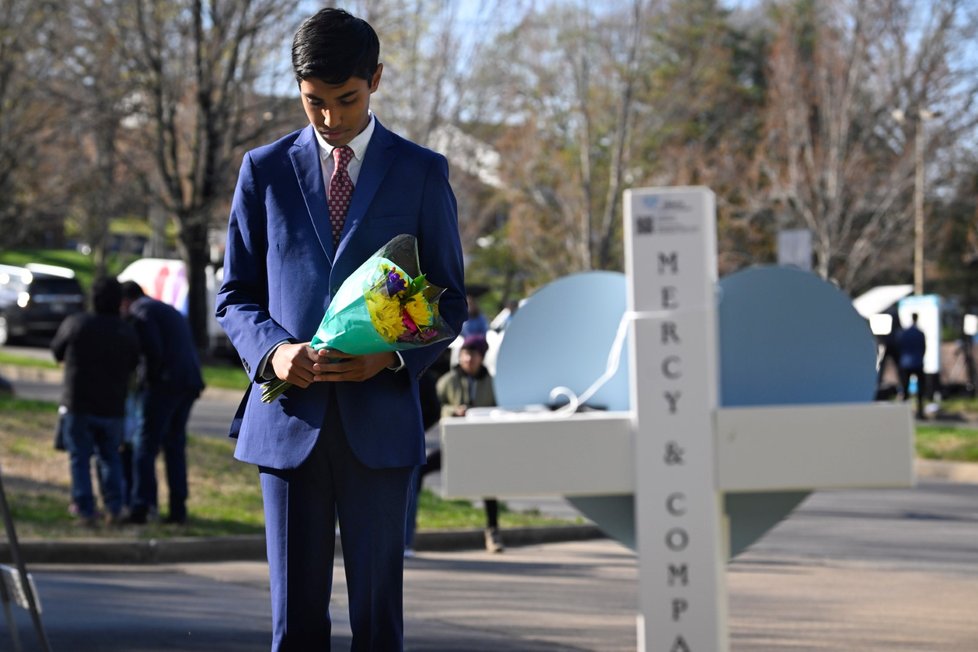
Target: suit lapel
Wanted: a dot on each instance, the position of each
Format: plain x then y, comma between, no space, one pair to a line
376,162
309,172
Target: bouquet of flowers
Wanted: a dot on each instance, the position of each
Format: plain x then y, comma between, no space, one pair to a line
387,304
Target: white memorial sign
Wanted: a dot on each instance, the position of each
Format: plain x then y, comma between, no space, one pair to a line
676,450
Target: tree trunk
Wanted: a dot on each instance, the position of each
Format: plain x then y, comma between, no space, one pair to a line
195,252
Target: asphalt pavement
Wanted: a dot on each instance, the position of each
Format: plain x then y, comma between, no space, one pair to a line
793,591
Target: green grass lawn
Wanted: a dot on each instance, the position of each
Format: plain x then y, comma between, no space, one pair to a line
82,265
963,407
225,376
225,498
947,443
25,361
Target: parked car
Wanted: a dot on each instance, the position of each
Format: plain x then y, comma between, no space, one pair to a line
35,299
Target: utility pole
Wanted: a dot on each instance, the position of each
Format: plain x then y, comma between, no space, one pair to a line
918,208
919,117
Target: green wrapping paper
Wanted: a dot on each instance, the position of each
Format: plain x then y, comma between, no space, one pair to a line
385,305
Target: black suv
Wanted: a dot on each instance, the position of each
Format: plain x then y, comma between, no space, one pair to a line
35,299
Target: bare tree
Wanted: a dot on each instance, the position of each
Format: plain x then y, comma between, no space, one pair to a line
26,120
429,49
197,66
561,86
628,79
697,116
836,160
89,74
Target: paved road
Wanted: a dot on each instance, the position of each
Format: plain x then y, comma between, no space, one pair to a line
868,571
210,416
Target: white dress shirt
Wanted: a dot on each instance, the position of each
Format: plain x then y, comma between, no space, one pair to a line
359,147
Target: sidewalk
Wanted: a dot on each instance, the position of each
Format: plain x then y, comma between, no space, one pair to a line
556,598
252,548
56,377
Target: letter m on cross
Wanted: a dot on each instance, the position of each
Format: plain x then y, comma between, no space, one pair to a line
668,262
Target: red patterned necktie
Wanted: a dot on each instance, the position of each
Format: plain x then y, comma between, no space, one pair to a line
340,190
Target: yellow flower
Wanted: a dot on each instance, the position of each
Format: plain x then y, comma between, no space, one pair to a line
419,310
385,313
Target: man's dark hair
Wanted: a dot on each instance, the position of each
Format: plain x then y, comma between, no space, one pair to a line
131,290
334,46
106,296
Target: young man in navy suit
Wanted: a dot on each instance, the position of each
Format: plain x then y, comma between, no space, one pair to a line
341,445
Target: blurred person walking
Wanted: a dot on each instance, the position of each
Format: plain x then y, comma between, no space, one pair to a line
171,381
476,323
913,345
100,351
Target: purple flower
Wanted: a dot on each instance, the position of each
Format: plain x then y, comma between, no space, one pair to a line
395,283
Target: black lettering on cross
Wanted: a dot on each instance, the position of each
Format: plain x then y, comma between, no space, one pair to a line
673,399
674,453
670,261
669,300
670,367
677,539
680,645
669,332
679,605
674,503
679,573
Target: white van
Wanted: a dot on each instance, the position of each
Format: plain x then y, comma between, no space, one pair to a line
165,279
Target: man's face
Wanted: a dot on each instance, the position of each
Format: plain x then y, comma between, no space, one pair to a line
469,361
339,111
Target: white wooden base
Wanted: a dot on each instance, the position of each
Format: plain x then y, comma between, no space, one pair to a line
805,447
584,454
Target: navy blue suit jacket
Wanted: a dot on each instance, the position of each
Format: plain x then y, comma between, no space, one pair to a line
281,269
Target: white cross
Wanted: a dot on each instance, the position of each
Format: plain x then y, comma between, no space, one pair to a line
678,456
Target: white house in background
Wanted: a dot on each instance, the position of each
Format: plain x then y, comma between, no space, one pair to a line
468,154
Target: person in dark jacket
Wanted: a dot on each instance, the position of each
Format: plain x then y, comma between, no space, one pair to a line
171,382
913,345
100,352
